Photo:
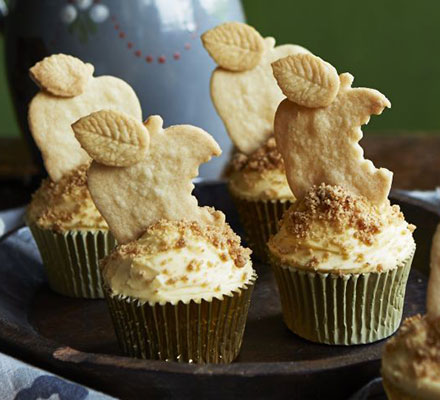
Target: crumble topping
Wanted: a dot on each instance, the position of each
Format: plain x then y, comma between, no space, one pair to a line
337,206
66,204
161,237
267,157
419,338
333,230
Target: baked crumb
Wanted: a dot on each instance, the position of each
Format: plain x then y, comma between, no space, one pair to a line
360,257
180,243
313,263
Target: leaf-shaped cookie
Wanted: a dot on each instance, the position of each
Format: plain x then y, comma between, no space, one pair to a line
159,187
112,137
247,101
234,46
433,297
307,80
320,145
62,75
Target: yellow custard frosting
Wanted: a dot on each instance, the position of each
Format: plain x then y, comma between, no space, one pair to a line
332,230
411,360
65,205
179,261
260,175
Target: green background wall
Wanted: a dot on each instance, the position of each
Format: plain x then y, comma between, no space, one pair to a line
8,125
390,45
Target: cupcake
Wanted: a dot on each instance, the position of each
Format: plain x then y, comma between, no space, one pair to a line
258,186
245,95
180,292
179,284
411,359
343,254
70,233
341,265
67,227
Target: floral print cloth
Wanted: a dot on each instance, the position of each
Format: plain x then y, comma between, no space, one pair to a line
20,381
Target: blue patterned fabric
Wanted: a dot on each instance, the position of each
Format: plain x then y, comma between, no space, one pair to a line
20,381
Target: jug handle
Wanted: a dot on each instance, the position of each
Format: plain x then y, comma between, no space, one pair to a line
3,14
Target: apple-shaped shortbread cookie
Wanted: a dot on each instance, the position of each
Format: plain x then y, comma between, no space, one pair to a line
131,198
320,144
341,235
243,89
68,92
174,258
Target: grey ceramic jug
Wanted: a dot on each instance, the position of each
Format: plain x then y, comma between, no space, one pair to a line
154,45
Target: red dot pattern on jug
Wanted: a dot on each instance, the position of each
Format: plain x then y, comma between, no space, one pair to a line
131,45
150,58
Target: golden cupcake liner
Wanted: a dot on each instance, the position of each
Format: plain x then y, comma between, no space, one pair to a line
71,260
260,220
395,393
205,332
342,309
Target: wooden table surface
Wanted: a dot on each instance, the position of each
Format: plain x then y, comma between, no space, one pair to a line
414,159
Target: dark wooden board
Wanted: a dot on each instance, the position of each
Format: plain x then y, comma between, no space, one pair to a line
86,326
74,338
